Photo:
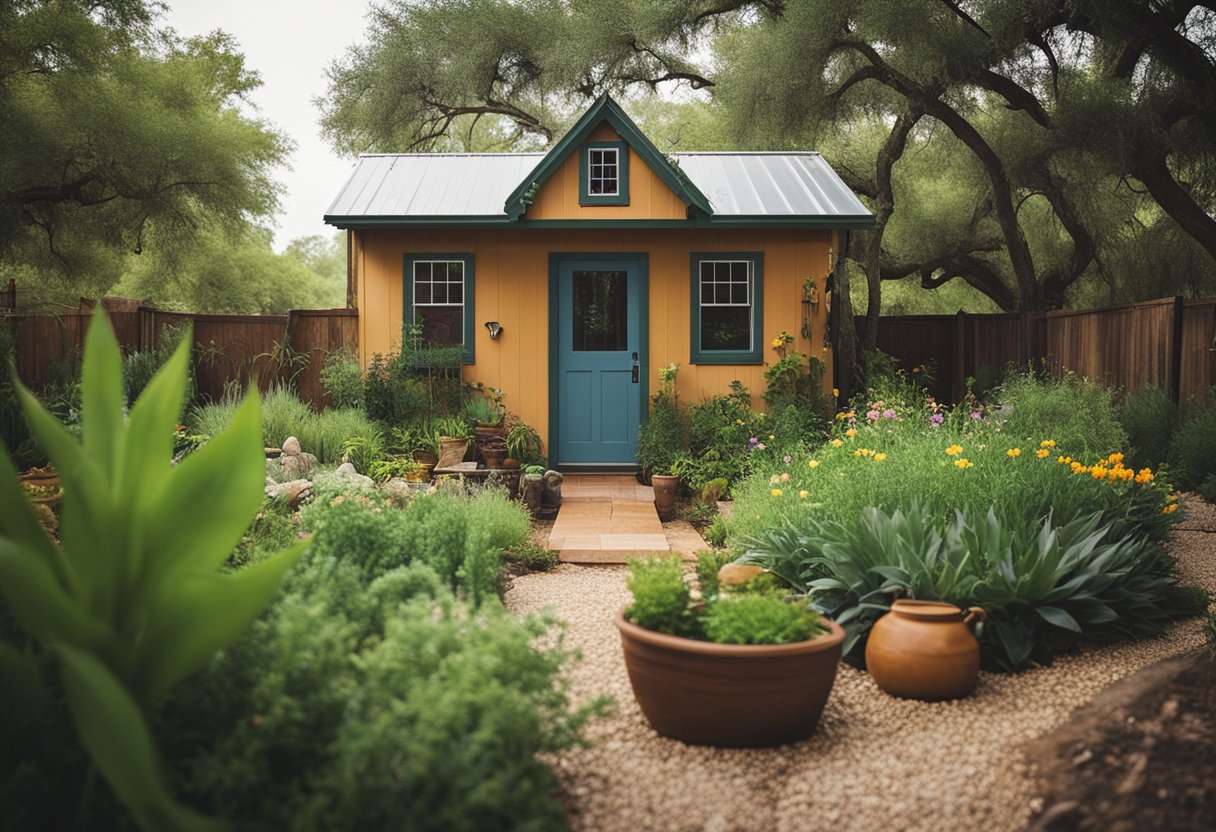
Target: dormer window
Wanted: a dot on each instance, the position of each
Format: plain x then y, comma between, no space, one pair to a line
604,173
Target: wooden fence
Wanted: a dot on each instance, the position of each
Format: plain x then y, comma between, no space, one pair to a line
229,350
1168,343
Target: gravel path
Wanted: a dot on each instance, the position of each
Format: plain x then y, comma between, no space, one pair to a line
876,762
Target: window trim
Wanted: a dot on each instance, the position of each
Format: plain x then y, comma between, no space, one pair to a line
756,354
407,292
621,197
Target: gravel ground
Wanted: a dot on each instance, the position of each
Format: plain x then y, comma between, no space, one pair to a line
876,762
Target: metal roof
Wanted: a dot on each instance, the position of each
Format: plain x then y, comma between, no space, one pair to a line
401,189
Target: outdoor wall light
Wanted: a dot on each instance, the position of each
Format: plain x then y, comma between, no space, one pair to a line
495,329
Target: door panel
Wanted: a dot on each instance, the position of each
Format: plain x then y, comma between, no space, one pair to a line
598,323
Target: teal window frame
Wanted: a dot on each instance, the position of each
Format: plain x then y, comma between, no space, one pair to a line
755,355
407,293
621,197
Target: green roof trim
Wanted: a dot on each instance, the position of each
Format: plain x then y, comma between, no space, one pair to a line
606,109
769,221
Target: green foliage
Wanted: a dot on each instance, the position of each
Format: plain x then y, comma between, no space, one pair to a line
1149,418
342,379
120,137
363,452
452,427
723,435
479,409
524,444
715,533
661,437
661,597
1077,413
759,618
899,450
138,368
1193,449
533,558
272,530
708,566
323,434
134,599
1045,586
370,698
391,393
383,470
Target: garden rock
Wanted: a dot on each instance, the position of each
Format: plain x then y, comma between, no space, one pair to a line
737,574
346,468
294,492
347,473
552,495
296,463
400,490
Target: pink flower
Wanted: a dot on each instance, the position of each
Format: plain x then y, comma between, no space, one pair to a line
787,459
785,477
976,415
937,418
872,415
889,413
761,447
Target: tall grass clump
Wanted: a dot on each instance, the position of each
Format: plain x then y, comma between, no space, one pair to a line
1193,449
1149,417
283,414
884,452
1078,413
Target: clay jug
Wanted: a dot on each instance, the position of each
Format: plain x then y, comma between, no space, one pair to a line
925,650
665,488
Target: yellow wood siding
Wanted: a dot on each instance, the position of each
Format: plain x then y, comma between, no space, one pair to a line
649,196
511,268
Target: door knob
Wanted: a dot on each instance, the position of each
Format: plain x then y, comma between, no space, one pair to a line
636,368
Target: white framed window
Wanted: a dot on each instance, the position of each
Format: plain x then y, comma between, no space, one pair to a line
726,308
603,171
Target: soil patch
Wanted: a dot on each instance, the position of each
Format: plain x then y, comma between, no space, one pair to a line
1140,756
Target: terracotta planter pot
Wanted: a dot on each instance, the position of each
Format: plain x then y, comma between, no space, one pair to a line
665,489
451,451
426,458
423,474
730,695
925,650
494,456
46,480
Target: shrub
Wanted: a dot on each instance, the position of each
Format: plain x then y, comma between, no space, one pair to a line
1077,413
661,597
885,451
376,700
1193,449
661,436
342,379
523,443
1149,418
363,451
759,618
1045,587
132,599
533,558
391,395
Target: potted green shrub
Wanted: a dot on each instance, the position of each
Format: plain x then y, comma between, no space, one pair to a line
452,436
524,444
661,436
743,667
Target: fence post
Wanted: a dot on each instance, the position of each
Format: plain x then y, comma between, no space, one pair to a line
1176,351
960,346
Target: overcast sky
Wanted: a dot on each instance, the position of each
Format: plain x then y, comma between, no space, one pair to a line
290,43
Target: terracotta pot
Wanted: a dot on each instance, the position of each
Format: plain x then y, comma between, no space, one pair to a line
423,474
426,458
730,695
494,456
925,650
46,479
451,451
512,464
665,488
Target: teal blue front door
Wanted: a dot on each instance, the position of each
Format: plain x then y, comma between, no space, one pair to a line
600,359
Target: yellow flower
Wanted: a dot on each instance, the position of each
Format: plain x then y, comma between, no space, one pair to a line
879,457
738,421
1097,472
776,342
954,450
1116,457
840,417
771,437
836,443
1170,509
1042,453
857,453
1063,460
1047,443
836,392
851,432
802,495
814,463
776,492
963,463
1145,476
1013,453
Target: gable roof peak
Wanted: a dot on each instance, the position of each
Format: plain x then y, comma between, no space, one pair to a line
605,108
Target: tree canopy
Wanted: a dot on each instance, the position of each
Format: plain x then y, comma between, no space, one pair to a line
116,133
1056,139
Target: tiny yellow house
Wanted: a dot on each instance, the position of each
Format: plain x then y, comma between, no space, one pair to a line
571,276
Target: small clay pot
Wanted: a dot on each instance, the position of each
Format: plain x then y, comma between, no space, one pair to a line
494,456
730,695
665,488
512,464
925,650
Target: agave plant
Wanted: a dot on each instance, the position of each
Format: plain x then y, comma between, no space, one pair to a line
1043,591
